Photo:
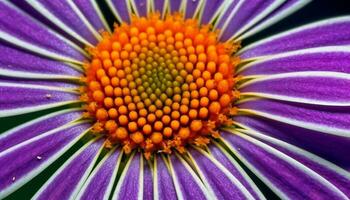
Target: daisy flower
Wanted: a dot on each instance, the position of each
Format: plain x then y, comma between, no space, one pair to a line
169,104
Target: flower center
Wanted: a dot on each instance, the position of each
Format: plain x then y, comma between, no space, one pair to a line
159,84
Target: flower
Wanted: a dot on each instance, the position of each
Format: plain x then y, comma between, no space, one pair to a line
222,121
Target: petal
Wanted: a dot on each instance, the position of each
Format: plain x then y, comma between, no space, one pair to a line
16,63
121,9
147,182
93,13
211,9
192,8
328,146
100,183
317,59
308,36
226,11
288,178
320,88
163,185
332,120
68,179
174,5
221,155
245,15
141,7
17,99
71,84
37,127
28,159
159,6
334,174
67,16
34,36
286,9
130,183
187,183
218,180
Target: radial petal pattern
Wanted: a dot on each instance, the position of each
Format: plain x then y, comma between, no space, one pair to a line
289,127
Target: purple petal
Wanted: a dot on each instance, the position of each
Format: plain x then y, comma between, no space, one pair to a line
63,15
14,62
18,99
286,9
100,182
211,8
28,159
247,13
67,180
285,176
120,9
319,59
328,146
141,7
313,35
174,5
332,120
321,88
37,127
337,176
163,182
93,13
227,11
188,183
192,8
130,184
234,168
159,6
147,182
33,36
63,84
217,178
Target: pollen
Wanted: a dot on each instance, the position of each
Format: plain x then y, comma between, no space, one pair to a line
160,84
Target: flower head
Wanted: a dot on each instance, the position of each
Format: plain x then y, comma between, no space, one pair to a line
166,103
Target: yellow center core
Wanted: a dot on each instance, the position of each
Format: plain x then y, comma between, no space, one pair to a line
159,84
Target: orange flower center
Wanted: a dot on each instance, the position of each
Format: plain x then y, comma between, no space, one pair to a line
159,84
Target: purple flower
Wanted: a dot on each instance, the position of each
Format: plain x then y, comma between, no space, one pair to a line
291,129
